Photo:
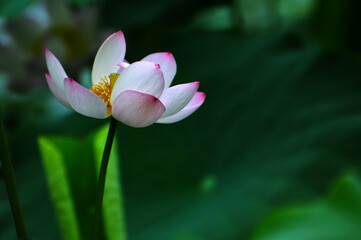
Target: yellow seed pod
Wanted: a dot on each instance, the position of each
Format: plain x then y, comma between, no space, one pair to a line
113,78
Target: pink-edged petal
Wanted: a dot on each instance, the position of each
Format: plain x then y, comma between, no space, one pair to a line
137,109
145,77
177,97
55,68
167,65
192,106
59,95
110,53
123,65
83,100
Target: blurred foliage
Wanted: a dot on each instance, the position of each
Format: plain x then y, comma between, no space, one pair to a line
281,120
265,15
333,26
12,9
336,217
72,36
73,194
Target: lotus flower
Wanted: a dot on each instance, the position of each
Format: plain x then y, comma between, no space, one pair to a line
137,94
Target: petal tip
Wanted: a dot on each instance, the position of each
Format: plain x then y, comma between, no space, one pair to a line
123,64
202,97
155,65
68,80
120,32
117,34
47,52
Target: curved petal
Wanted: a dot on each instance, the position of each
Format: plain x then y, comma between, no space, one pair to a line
192,106
145,77
167,65
177,97
83,100
110,53
55,68
137,109
59,95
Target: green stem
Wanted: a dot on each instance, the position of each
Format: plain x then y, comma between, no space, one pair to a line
8,173
102,175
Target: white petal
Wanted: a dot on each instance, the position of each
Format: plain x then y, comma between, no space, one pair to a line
192,106
83,100
110,53
137,109
167,65
56,70
59,95
143,76
177,97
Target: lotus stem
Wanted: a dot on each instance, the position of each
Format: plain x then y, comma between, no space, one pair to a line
102,175
9,179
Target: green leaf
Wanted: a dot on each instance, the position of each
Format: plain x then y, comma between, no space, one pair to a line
336,217
71,166
60,188
346,194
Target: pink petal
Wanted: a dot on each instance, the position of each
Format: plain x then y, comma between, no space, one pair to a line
123,65
145,77
110,53
177,97
192,106
137,109
55,68
167,65
56,91
83,100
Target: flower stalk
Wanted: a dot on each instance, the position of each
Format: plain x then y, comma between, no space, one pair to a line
102,176
9,179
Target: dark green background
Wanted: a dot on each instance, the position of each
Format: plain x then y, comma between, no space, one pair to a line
281,120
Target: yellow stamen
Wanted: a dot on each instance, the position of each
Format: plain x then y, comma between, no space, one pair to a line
103,89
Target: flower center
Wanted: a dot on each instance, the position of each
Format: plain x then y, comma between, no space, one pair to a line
103,89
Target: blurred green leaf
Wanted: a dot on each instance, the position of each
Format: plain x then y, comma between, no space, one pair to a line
217,18
336,217
292,10
258,15
60,188
265,15
72,181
